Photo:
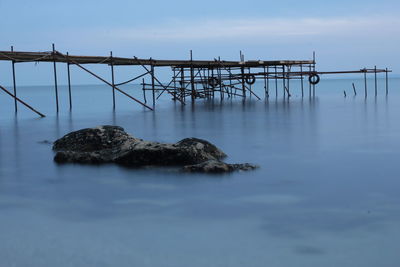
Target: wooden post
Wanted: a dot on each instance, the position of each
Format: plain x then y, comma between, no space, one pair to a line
69,83
243,86
267,74
376,82
386,81
193,90
175,91
152,86
14,82
230,80
313,86
213,86
265,83
283,81
309,84
365,82
55,77
112,78
183,94
288,81
302,81
354,89
221,93
276,82
144,91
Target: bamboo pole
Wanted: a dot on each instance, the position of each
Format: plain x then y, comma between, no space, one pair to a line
55,77
69,84
14,82
22,102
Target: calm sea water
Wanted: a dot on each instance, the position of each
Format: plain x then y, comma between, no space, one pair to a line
326,193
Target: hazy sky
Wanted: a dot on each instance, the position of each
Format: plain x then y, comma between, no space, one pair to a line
344,34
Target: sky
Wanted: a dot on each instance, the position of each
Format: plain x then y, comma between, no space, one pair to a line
344,34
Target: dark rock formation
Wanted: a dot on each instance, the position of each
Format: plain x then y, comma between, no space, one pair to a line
215,166
106,144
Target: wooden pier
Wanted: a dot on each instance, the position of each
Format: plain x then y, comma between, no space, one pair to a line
190,79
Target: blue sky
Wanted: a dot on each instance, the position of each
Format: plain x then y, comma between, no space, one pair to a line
345,34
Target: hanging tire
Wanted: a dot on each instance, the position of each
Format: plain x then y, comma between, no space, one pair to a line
250,79
213,82
314,79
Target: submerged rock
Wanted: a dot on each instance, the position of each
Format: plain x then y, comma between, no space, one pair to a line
111,144
215,166
45,142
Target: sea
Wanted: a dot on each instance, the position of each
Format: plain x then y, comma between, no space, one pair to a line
326,192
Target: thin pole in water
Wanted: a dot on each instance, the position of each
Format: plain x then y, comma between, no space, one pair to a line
69,83
153,85
302,81
14,83
376,82
283,81
55,77
144,91
387,81
112,78
276,82
365,82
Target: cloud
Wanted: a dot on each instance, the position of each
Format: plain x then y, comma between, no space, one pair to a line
258,28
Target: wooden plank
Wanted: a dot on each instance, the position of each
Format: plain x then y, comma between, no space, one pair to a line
49,57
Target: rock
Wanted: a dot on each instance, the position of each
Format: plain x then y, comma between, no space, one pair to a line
45,142
216,166
93,139
202,145
112,144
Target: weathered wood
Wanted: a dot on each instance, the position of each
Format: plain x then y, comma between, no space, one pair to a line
14,83
48,57
69,84
22,102
55,77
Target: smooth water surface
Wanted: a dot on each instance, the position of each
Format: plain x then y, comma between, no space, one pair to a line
326,193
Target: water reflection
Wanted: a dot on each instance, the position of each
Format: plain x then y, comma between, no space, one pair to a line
327,187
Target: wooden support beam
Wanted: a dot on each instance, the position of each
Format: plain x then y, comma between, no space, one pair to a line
166,88
106,82
22,102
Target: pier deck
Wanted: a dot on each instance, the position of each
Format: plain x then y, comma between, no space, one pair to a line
193,79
